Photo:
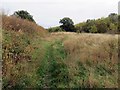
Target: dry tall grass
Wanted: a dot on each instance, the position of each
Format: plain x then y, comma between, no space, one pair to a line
98,49
91,59
22,26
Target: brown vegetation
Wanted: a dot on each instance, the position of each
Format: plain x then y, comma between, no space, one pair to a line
70,59
20,25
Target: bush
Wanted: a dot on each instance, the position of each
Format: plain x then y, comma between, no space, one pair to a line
14,58
55,29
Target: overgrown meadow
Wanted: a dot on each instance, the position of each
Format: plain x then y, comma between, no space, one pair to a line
34,58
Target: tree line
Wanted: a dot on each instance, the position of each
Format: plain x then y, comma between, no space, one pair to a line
102,25
109,24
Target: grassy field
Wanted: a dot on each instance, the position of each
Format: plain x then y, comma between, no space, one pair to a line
92,59
58,60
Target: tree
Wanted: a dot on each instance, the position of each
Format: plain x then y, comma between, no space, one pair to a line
88,25
24,15
79,27
113,27
113,17
93,29
102,27
67,24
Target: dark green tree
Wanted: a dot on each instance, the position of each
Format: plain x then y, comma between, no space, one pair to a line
24,15
88,25
93,29
102,27
113,17
67,24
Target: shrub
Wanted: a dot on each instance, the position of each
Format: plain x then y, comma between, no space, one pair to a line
55,29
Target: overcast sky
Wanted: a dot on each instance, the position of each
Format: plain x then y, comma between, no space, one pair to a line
47,13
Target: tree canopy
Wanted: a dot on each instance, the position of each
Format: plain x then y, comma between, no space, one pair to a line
24,15
109,24
67,24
